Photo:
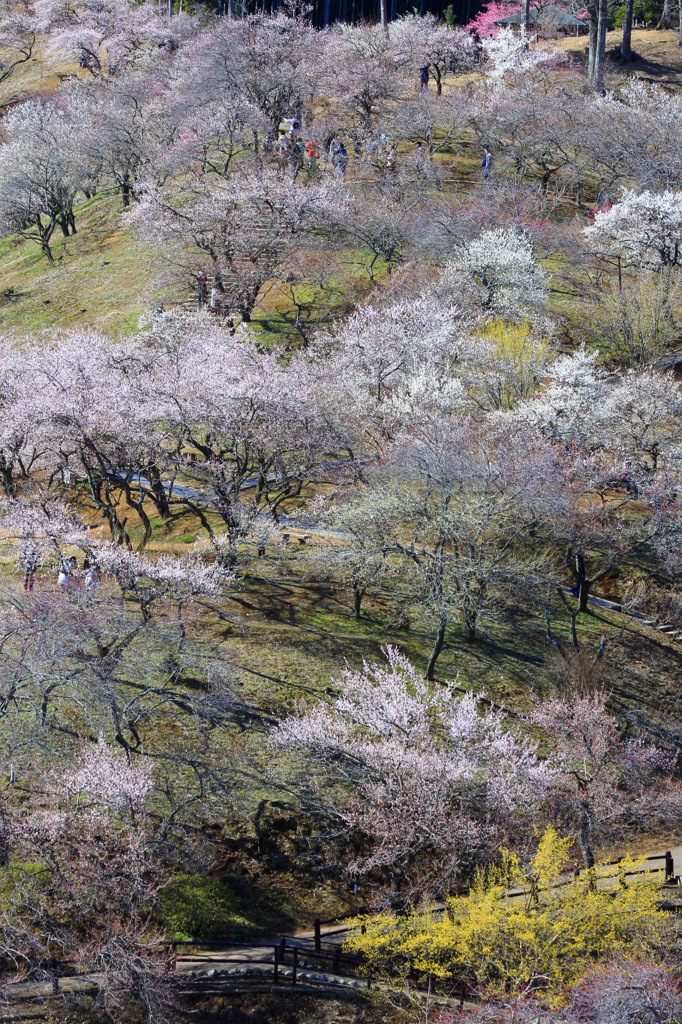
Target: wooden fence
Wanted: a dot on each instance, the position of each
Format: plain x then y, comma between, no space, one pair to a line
282,963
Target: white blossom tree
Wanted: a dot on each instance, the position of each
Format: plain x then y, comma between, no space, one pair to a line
430,775
511,57
18,34
502,262
644,227
41,173
107,36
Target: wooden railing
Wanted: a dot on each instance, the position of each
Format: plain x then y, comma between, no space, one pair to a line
280,963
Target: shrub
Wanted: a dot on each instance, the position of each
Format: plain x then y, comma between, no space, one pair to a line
636,325
198,908
543,939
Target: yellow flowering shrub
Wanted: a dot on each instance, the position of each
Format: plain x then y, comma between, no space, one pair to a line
533,927
516,357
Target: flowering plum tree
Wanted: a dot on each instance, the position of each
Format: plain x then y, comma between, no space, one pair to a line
450,507
125,129
18,34
41,173
432,775
606,781
417,41
511,57
502,262
82,881
271,60
240,229
645,227
106,36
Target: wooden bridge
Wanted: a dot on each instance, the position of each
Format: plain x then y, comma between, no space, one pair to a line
293,962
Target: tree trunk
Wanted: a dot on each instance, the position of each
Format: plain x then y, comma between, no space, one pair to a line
592,48
357,600
679,15
437,648
384,17
526,23
600,53
664,23
159,496
586,846
626,45
7,479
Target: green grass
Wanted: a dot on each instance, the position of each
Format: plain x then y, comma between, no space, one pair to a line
101,277
302,633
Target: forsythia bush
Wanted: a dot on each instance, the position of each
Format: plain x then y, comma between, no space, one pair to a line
517,357
540,938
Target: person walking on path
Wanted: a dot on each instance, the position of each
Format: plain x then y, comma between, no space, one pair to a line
90,577
201,289
333,150
312,153
341,163
295,160
65,578
420,158
424,77
29,559
283,152
487,161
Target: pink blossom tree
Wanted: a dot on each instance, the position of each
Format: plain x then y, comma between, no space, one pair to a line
484,24
607,783
82,884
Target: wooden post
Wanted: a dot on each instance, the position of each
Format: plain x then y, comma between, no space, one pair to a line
276,970
669,866
282,948
293,976
318,936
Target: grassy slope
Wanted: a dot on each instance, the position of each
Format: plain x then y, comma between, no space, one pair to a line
293,637
39,76
101,276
